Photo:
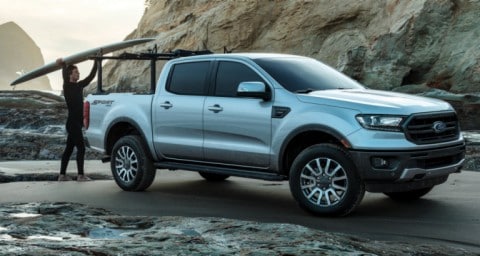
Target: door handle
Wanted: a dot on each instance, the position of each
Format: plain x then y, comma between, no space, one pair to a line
166,105
215,108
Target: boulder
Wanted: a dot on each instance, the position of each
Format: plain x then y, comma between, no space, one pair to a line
382,44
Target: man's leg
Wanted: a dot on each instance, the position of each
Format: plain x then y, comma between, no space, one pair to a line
65,158
80,145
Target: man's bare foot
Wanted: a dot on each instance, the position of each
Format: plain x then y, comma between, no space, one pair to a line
63,177
83,178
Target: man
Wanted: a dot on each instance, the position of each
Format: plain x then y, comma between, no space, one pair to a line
73,92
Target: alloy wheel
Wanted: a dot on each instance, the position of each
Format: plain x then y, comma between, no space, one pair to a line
126,164
324,182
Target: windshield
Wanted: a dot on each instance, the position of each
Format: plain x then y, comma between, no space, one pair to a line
303,75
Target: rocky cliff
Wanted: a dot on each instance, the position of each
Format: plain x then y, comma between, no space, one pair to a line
421,46
19,53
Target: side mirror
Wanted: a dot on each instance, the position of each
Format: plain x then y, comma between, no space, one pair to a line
253,90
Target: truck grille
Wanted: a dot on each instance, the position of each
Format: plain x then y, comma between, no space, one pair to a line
432,128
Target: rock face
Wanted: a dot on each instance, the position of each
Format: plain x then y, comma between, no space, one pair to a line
19,54
387,45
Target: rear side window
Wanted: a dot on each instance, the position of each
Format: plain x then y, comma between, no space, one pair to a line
230,75
189,78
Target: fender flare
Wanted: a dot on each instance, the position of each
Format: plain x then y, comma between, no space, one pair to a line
130,122
309,128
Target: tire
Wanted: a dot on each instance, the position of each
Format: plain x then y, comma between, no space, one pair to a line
131,164
213,176
409,195
325,181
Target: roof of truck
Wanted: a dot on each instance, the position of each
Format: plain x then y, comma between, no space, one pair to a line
245,55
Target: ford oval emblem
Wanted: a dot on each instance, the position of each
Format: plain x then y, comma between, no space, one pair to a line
439,126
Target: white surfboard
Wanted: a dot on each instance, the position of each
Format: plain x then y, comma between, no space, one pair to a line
79,57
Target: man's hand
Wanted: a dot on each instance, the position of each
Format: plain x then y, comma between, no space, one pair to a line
59,61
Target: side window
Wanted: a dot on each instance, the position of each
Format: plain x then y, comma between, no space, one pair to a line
189,78
230,75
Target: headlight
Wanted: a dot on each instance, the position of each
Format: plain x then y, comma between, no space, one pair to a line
381,122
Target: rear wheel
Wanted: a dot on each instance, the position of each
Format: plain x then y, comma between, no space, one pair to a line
409,195
324,181
131,164
213,176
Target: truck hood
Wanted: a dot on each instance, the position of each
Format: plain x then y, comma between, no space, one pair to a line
375,102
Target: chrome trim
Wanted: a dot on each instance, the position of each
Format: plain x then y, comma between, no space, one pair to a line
409,174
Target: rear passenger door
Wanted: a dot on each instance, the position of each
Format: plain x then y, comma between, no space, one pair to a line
237,130
178,112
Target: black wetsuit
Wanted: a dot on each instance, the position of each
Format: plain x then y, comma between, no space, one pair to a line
73,93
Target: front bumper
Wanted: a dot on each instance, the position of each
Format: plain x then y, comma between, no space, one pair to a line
390,171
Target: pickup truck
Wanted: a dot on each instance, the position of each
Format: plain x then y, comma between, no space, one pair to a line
277,117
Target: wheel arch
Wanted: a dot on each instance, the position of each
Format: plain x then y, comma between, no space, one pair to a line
304,137
119,128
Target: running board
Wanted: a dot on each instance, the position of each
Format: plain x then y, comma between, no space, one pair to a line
222,170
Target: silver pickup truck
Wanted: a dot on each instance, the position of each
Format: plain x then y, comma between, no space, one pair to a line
277,117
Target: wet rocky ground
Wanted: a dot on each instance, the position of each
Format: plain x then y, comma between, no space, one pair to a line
472,159
73,229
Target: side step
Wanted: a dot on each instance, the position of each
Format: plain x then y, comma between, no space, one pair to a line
222,170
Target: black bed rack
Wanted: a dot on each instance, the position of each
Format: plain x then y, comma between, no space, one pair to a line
152,55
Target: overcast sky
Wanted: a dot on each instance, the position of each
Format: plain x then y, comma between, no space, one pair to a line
64,27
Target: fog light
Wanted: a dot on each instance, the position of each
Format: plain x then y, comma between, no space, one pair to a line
379,162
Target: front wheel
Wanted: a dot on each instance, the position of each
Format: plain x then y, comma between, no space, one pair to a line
324,181
131,164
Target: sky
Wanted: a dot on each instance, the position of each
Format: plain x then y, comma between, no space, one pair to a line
65,27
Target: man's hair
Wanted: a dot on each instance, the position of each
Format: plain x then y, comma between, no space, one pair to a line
70,68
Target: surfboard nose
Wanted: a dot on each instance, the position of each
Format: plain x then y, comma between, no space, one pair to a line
79,57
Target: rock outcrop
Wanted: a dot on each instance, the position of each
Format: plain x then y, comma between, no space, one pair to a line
19,54
391,45
72,229
32,126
